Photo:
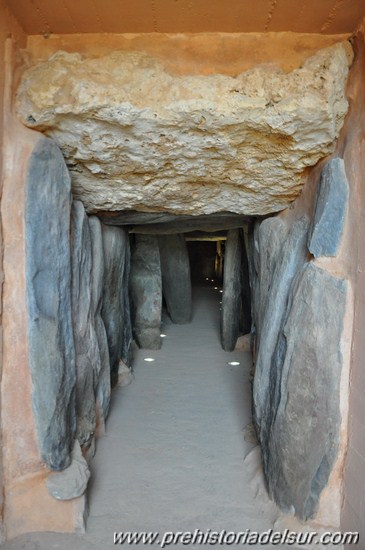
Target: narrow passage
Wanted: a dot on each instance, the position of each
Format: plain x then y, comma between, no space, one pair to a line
173,457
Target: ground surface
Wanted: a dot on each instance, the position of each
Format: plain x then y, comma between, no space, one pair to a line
177,455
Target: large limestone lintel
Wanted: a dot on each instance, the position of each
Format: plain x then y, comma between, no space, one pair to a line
132,133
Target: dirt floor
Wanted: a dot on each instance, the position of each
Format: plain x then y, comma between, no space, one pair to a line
179,453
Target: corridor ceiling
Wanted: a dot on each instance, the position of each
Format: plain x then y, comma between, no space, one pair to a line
174,16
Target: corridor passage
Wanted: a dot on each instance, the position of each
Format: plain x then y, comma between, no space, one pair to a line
178,454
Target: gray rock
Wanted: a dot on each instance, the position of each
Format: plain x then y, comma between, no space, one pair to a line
162,223
88,365
293,256
48,281
246,318
146,291
176,277
330,211
303,439
71,482
127,348
271,237
102,381
232,290
115,311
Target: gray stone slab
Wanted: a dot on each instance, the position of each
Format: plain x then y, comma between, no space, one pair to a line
232,290
146,291
102,382
176,277
48,280
115,312
330,210
88,364
162,223
304,433
292,257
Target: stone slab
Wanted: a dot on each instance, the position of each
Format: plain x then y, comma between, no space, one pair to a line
48,281
330,210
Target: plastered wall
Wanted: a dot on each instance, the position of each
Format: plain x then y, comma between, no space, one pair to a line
352,146
9,28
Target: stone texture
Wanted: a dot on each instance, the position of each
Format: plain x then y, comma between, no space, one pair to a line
176,277
271,234
88,364
72,482
48,281
245,317
330,210
169,224
232,290
292,257
146,291
303,439
102,382
115,309
134,134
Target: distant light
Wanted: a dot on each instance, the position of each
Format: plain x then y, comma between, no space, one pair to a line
215,288
207,278
149,359
221,291
212,280
163,335
234,363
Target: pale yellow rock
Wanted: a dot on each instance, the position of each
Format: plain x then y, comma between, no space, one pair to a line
136,137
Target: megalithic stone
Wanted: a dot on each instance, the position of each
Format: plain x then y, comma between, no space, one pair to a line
232,290
146,291
48,279
176,277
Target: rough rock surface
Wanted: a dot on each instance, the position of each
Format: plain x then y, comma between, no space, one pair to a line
134,134
71,482
161,223
292,257
48,277
305,414
330,210
176,277
232,290
115,309
146,291
88,364
102,382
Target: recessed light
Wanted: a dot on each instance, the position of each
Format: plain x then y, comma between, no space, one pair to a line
149,359
234,363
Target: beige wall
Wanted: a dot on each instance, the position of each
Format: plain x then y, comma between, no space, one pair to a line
353,147
9,28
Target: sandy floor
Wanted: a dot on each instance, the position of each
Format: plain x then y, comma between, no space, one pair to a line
178,455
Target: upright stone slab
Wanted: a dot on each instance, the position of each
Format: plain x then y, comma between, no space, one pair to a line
330,211
176,278
232,290
146,291
114,309
246,317
303,438
88,363
102,382
48,280
291,259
